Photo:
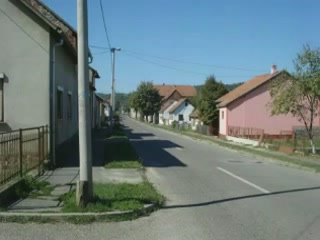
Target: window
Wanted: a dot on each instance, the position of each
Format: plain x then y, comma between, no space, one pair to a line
60,103
180,117
69,106
222,115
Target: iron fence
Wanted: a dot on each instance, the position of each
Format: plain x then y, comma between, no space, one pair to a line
21,151
242,132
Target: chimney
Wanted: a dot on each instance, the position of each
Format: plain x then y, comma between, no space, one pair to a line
273,69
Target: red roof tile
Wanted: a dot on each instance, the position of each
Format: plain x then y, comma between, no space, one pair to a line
184,90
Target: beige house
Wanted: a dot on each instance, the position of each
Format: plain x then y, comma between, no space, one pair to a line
38,71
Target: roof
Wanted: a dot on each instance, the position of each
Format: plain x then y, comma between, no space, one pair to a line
182,100
95,72
166,105
54,21
184,90
101,98
194,114
245,88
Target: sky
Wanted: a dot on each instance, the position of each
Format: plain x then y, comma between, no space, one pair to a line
185,41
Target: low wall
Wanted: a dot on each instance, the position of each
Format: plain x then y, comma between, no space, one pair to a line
243,141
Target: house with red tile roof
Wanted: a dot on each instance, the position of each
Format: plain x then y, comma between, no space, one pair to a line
172,94
248,106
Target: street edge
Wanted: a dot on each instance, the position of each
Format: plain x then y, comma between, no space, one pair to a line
77,218
246,152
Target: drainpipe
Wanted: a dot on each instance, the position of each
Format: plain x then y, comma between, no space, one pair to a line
53,102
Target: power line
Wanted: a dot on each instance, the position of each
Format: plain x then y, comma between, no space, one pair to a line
104,24
99,53
182,61
170,67
97,47
195,63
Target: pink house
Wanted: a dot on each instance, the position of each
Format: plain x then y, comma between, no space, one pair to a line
248,107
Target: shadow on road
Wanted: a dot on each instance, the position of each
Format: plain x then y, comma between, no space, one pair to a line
240,198
140,135
153,151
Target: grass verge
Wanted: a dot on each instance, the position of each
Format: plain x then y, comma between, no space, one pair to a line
266,153
116,197
120,153
31,187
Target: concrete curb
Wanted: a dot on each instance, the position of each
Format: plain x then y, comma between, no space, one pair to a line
76,218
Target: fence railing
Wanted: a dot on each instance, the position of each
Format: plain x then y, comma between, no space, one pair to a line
242,132
302,140
22,151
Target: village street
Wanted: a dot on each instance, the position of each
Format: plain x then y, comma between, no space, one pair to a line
212,192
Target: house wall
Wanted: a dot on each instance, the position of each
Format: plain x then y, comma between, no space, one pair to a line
185,111
223,113
252,111
166,114
24,58
66,78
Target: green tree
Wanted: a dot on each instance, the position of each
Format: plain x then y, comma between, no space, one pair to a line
133,102
210,92
299,94
148,99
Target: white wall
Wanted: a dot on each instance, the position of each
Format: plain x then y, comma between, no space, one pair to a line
223,121
24,58
185,111
166,113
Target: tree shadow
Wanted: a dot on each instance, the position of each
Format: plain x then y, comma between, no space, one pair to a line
140,135
240,198
153,151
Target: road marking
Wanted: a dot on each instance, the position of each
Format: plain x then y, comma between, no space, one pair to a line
243,180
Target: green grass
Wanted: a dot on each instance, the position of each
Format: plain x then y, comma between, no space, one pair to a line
31,187
113,197
118,134
120,153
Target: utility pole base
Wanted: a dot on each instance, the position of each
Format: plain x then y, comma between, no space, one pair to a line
82,192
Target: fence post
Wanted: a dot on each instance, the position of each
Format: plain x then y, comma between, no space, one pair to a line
39,151
21,151
42,150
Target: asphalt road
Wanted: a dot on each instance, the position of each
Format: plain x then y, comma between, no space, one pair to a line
213,193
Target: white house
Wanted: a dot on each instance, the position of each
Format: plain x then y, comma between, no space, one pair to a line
178,111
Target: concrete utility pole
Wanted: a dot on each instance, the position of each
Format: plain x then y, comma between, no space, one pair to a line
84,185
113,94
